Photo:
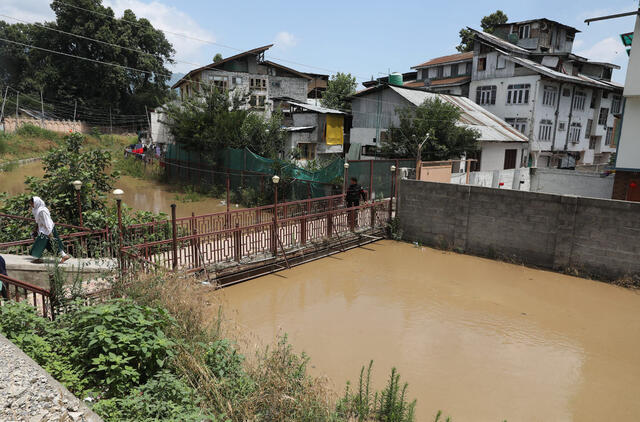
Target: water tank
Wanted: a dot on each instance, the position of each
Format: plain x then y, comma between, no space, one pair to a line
395,79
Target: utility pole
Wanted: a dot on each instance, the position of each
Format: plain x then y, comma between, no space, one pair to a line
42,111
4,100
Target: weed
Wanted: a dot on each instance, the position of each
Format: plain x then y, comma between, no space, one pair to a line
33,131
394,229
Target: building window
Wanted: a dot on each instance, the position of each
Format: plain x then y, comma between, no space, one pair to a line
502,62
370,150
566,92
468,70
579,99
544,132
549,95
602,118
518,94
482,63
258,83
307,151
608,139
510,156
574,132
439,71
221,82
523,31
519,124
615,104
592,143
587,133
562,126
257,101
486,94
605,94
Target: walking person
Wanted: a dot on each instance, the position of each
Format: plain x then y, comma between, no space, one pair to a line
354,193
3,285
46,235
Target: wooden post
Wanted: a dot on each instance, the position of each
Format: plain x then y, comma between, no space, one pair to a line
4,100
75,107
174,234
194,240
42,113
110,121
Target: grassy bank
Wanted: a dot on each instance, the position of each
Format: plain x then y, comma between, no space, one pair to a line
166,353
33,142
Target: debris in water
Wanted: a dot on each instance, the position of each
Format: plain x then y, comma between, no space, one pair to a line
205,283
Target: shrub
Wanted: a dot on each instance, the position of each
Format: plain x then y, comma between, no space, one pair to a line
33,131
226,365
164,397
119,343
3,143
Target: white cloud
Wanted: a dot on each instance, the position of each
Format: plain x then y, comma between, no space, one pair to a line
285,40
606,50
27,10
169,18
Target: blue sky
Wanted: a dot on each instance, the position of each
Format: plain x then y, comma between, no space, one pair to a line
363,38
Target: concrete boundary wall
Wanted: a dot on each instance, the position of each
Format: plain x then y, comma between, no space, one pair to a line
597,236
571,182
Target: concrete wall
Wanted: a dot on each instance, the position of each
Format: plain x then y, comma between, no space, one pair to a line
596,236
53,125
570,182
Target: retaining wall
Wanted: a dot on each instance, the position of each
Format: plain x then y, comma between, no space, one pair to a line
596,236
571,182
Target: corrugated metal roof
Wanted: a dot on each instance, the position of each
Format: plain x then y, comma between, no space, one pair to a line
298,128
491,127
459,80
316,108
579,79
446,59
498,41
537,20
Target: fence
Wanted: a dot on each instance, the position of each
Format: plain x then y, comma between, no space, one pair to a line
40,298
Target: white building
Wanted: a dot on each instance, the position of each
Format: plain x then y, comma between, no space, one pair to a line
374,112
565,104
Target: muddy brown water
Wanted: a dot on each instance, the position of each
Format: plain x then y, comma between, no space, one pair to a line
481,340
144,195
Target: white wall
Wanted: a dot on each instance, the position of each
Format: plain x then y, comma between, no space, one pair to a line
628,156
570,182
492,157
160,131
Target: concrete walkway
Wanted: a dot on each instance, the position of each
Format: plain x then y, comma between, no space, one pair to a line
22,267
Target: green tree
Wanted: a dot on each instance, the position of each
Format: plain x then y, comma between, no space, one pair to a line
339,88
487,23
435,121
96,86
213,120
217,58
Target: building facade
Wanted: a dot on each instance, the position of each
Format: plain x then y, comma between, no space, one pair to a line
374,112
250,74
447,75
566,105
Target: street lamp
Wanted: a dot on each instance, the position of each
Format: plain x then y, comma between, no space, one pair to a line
77,185
118,194
346,173
393,178
274,245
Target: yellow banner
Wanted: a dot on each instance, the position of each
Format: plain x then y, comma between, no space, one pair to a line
335,129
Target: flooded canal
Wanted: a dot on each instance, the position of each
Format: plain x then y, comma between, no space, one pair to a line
479,339
144,195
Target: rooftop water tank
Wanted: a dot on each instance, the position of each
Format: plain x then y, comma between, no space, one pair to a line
395,79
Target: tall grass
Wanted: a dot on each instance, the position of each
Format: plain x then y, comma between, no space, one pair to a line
4,146
33,131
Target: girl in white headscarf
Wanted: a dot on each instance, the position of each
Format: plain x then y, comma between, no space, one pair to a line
47,236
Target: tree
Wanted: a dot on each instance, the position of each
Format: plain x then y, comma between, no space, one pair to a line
487,23
434,120
217,58
214,120
95,85
340,86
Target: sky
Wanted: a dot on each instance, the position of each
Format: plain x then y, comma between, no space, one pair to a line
367,39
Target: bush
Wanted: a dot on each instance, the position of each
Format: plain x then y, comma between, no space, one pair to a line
164,397
120,344
33,131
3,143
226,365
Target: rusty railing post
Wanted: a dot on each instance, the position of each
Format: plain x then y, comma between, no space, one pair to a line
237,238
373,216
227,217
194,239
174,235
303,230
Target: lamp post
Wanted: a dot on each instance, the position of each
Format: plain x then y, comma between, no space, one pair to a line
391,194
118,194
274,246
346,174
77,185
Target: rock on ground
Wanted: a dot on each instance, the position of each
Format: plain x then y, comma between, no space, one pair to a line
29,393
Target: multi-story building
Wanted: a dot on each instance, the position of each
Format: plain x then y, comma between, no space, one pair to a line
446,74
261,80
565,104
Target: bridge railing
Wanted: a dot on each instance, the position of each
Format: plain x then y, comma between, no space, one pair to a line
22,291
81,242
193,250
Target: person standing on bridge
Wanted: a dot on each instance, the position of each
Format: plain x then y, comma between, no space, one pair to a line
354,193
3,285
46,235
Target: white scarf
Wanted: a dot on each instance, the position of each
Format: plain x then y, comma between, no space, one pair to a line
43,216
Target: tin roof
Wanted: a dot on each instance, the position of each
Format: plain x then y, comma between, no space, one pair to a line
538,20
316,108
491,127
457,80
497,41
446,59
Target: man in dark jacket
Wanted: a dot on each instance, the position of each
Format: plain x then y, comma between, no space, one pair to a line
3,271
354,193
